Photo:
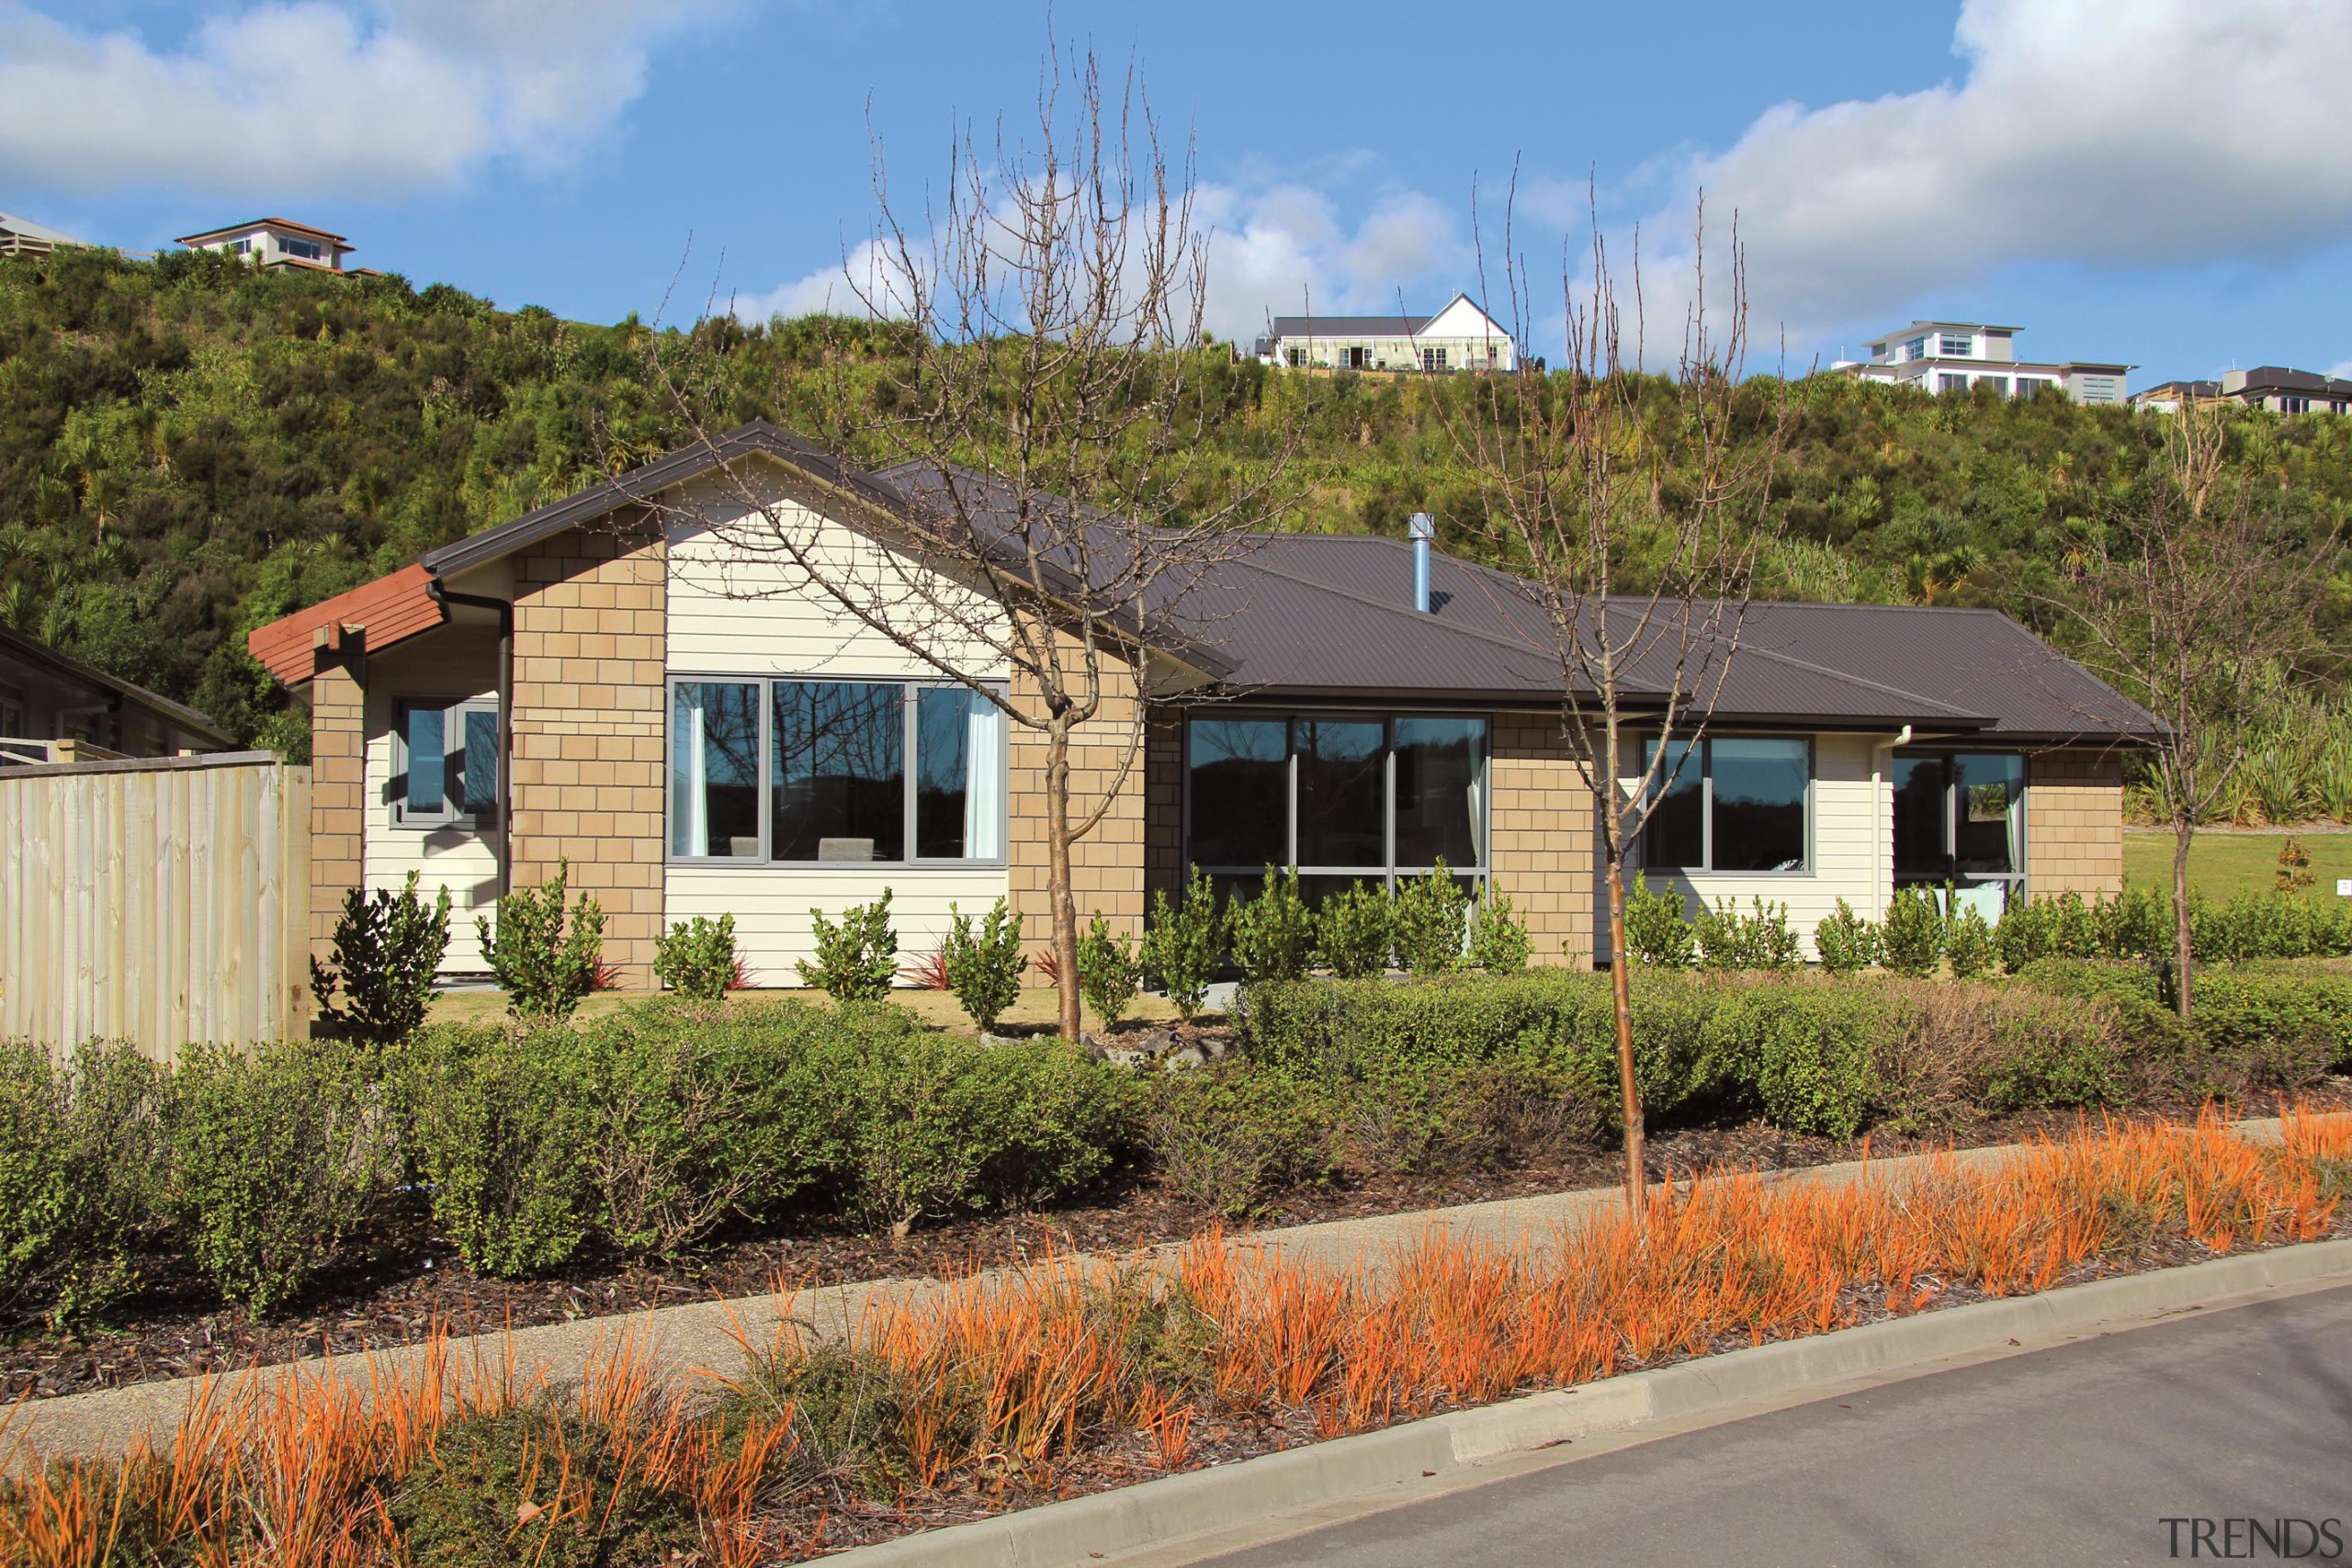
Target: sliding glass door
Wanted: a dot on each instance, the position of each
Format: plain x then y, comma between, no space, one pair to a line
1960,821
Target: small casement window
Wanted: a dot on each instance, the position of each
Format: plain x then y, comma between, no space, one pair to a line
1731,803
444,765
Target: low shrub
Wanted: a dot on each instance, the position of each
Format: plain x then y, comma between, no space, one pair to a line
1801,1050
1110,971
547,958
387,949
1273,933
983,965
1911,940
1428,922
278,1157
940,1124
1759,939
1183,944
1955,1052
1230,1134
500,1125
2276,1027
80,1177
1559,1021
697,958
538,1483
667,1106
1968,944
1441,1118
1844,941
1656,935
1499,941
1354,930
857,957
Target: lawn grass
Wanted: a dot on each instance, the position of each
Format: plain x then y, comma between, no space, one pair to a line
2225,865
1037,1006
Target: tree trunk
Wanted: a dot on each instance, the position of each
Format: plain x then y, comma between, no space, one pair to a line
1621,985
2183,831
1058,894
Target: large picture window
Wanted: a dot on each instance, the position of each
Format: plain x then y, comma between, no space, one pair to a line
444,765
1343,799
1731,804
854,771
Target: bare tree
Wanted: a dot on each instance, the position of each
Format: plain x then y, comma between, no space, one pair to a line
1635,509
1037,421
2192,600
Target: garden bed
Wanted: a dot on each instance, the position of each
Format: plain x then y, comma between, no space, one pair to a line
180,1328
1079,1376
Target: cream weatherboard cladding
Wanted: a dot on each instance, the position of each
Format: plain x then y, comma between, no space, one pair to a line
735,613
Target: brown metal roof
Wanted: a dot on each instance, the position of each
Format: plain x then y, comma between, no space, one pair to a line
1331,615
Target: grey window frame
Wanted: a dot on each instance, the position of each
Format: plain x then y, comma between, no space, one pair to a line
1944,342
451,709
1707,803
909,714
1388,873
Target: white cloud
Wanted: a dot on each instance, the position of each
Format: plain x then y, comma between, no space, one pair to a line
2157,133
1274,248
342,97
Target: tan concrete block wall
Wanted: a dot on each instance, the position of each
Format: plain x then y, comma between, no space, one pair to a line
338,793
589,654
2074,823
1107,865
1540,822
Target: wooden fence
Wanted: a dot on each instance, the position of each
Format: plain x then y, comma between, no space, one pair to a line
161,900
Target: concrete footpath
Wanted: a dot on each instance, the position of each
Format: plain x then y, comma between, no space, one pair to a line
704,1340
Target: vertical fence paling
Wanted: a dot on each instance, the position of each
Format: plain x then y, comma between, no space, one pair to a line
162,901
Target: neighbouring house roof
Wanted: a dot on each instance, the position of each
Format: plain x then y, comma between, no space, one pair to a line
201,725
1349,326
286,223
2177,390
1331,618
2268,378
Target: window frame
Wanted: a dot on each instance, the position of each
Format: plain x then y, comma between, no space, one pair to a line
910,715
1946,757
1388,874
452,710
1706,739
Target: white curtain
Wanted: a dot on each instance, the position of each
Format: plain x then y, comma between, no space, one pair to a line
697,787
1476,803
983,780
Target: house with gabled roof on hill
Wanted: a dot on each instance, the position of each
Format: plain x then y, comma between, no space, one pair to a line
605,681
1462,336
279,243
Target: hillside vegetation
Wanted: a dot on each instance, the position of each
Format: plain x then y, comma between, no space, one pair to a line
189,449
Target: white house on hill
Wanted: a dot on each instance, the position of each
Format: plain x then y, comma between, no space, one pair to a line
1460,337
275,241
1957,357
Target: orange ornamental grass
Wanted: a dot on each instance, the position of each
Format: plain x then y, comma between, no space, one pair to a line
1014,1380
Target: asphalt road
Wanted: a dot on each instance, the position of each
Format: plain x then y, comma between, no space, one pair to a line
2072,1456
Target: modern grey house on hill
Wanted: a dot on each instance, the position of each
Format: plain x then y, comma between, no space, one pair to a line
1959,357
2272,387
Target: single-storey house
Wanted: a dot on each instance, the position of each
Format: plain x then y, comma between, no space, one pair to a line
609,683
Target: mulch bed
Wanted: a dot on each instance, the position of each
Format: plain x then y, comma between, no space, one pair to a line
178,1328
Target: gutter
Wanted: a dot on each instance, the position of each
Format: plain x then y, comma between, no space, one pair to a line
506,610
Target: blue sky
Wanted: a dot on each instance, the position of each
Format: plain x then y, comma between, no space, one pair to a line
2152,181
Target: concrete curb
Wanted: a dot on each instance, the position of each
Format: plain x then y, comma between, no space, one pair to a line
1198,1503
